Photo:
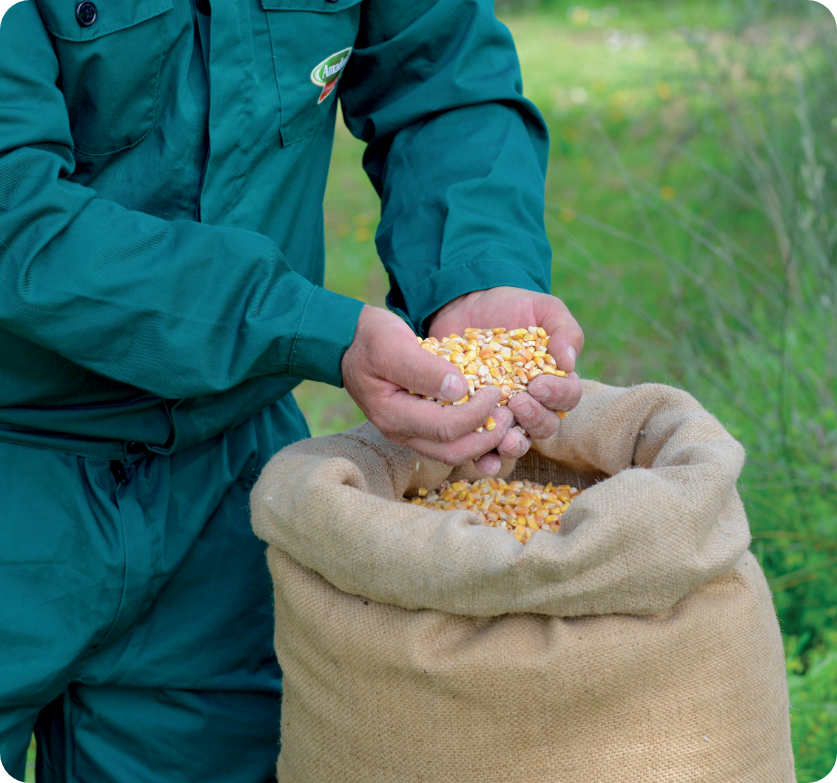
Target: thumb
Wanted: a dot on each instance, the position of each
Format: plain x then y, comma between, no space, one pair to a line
428,374
404,362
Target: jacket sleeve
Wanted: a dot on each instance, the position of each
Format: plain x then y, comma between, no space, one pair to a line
179,308
455,151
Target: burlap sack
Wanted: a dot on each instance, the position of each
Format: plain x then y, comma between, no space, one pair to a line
637,644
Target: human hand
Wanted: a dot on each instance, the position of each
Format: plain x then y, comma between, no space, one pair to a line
513,308
384,360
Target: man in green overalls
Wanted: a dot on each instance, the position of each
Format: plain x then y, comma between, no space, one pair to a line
162,169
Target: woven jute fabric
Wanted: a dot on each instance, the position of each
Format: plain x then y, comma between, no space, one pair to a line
638,643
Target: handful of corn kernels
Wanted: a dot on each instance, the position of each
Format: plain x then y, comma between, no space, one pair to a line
495,357
521,507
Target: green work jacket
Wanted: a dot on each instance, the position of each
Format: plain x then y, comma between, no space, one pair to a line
162,172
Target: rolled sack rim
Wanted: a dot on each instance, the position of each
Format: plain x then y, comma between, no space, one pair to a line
687,526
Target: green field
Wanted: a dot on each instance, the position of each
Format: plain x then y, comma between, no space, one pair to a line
691,204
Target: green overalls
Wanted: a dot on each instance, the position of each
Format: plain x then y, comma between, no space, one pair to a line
162,169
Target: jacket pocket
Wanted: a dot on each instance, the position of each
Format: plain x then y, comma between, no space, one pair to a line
312,41
110,58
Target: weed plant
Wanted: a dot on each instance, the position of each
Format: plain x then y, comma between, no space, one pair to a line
770,332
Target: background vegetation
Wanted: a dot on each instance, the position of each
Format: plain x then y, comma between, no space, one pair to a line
691,205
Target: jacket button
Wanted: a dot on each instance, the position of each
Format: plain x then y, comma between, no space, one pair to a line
331,1
86,13
204,7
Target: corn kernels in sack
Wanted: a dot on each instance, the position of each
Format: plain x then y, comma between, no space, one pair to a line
520,507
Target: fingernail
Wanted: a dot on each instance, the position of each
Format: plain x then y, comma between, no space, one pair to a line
453,387
572,354
540,392
523,408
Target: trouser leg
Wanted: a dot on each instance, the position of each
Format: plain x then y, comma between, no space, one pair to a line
15,734
143,735
191,690
178,682
61,573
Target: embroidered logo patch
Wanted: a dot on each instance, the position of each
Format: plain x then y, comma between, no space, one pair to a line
328,72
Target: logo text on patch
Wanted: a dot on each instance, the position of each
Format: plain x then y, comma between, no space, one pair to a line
328,72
